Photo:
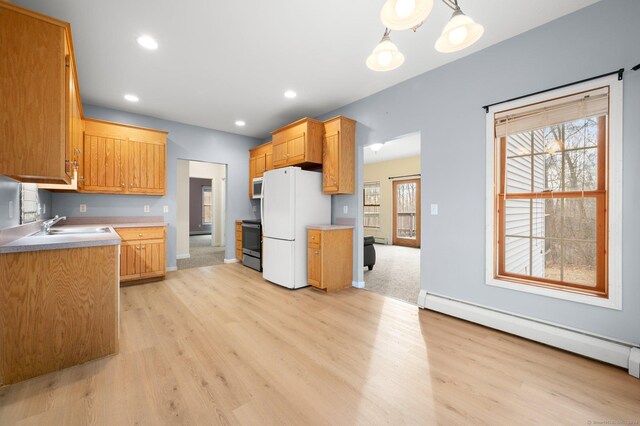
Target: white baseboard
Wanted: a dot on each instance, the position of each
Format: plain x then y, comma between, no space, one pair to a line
172,268
231,261
610,351
357,284
183,256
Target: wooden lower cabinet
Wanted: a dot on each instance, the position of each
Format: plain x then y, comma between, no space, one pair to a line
58,308
143,253
239,240
330,258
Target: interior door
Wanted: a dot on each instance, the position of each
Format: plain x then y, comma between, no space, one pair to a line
406,212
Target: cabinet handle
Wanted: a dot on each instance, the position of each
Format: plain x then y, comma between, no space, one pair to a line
317,252
139,235
138,248
131,185
313,238
143,247
122,184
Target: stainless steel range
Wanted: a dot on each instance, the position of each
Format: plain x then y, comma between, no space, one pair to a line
252,244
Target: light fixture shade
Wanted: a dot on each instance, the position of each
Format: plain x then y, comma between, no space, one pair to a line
401,15
385,56
376,147
460,32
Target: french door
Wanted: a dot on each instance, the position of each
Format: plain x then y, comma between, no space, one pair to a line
406,212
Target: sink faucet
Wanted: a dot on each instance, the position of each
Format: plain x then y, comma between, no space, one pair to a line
47,224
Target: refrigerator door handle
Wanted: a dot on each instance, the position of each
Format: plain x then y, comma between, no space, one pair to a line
262,204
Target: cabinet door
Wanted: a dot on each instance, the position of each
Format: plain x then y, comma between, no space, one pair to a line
146,167
268,161
314,270
296,149
252,174
152,258
261,164
129,261
280,153
104,164
330,162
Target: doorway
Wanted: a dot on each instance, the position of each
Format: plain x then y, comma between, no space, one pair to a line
391,208
406,213
201,211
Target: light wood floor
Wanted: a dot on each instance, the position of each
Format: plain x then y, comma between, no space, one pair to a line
218,345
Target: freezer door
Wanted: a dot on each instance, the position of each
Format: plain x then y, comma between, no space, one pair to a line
278,220
278,262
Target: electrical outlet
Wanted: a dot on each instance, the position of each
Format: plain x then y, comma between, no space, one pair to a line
345,209
434,210
10,209
83,208
146,208
165,209
254,209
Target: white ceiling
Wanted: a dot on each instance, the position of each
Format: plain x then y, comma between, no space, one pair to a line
402,147
220,61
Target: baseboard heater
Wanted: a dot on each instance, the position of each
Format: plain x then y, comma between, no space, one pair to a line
380,240
622,354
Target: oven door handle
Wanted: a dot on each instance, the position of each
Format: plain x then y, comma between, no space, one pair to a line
251,225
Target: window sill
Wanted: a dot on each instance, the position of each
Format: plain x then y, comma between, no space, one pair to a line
610,302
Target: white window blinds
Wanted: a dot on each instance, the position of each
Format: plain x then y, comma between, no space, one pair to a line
593,103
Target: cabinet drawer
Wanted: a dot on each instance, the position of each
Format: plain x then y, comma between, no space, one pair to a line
314,238
142,233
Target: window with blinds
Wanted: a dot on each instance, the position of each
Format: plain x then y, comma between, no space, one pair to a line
551,189
372,205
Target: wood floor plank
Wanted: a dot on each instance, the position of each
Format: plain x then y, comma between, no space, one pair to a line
219,345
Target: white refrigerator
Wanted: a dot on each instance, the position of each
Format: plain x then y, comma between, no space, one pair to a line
292,199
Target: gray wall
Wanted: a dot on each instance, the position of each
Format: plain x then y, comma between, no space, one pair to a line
183,142
10,192
445,106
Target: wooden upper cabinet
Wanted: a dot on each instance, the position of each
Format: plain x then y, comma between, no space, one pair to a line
298,144
123,159
34,84
338,156
260,161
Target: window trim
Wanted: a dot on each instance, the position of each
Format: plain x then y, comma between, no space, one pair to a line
614,227
203,190
364,203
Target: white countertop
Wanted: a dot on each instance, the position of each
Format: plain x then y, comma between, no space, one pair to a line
34,242
329,227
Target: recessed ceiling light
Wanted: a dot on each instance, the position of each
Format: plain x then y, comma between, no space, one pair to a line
290,94
131,98
147,42
240,123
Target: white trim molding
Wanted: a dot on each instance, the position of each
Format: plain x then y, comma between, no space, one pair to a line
357,284
622,354
614,299
171,268
183,256
234,260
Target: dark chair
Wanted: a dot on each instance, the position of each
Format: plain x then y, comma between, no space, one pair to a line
369,252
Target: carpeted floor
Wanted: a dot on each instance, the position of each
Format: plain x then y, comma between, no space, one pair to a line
396,273
202,253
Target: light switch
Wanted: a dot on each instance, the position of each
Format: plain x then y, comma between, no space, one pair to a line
165,209
434,210
83,208
254,209
345,209
146,208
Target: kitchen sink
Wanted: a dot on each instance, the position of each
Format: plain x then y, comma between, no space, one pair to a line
76,230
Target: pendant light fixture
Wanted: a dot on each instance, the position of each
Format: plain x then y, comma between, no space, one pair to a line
385,56
401,15
460,32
